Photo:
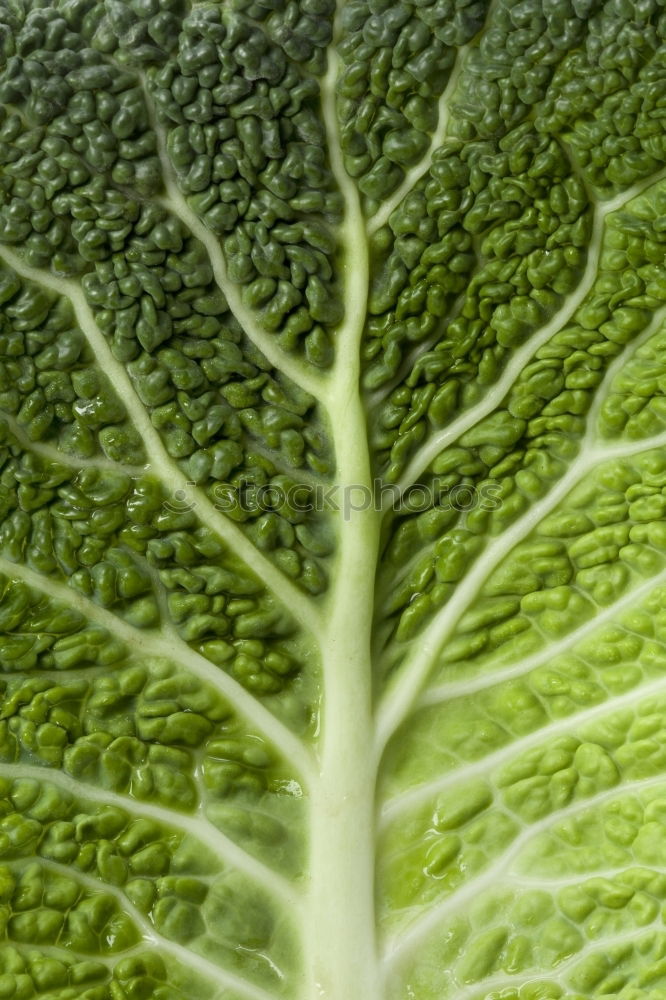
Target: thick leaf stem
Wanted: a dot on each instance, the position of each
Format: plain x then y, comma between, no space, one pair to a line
342,913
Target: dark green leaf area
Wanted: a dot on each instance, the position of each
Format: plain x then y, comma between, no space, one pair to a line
103,528
119,732
171,880
512,66
146,34
475,260
396,62
50,909
214,400
69,118
606,96
211,394
49,391
301,30
153,293
43,633
85,879
248,146
222,412
47,838
592,103
95,754
234,427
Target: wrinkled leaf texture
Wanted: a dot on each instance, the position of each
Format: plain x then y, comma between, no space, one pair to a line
332,498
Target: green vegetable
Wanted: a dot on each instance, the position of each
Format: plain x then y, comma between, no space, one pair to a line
332,500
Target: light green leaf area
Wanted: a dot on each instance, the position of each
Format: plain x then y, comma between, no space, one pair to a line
332,500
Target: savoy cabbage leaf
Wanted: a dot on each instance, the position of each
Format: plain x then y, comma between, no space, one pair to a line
332,499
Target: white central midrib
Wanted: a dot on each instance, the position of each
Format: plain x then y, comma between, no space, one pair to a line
341,926
342,799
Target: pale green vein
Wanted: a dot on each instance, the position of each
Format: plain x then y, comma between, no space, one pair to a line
309,380
198,827
411,676
162,465
519,359
548,654
52,454
172,648
211,971
341,946
590,875
407,940
414,175
601,946
600,394
67,955
488,765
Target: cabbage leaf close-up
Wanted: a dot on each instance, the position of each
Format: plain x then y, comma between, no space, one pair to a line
332,499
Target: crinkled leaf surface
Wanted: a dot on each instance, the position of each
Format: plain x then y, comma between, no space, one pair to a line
333,500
